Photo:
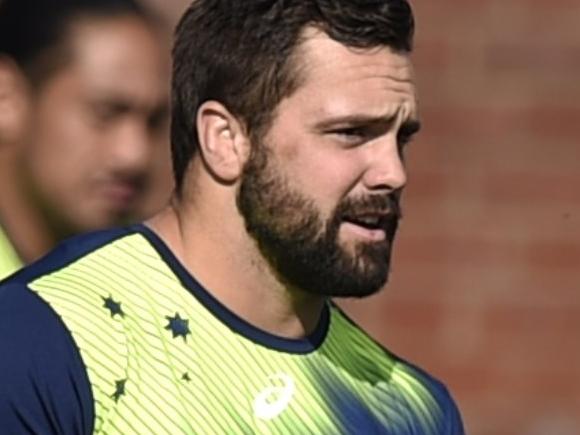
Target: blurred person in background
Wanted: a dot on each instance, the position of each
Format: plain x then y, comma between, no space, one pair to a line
83,104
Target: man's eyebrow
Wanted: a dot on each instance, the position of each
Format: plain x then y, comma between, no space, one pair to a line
408,128
355,119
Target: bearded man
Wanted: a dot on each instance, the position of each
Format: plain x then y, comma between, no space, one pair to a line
289,124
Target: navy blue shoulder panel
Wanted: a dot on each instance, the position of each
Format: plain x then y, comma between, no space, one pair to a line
44,387
67,252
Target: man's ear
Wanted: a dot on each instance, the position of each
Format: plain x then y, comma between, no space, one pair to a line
13,101
223,142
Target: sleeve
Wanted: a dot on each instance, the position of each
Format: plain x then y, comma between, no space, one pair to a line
453,422
44,388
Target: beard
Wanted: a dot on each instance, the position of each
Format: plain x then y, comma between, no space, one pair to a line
303,248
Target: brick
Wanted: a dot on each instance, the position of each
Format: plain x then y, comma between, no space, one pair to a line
544,58
558,256
529,187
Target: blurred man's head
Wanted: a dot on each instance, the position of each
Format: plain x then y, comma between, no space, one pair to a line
86,105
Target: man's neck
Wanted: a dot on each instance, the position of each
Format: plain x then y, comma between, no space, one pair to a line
226,261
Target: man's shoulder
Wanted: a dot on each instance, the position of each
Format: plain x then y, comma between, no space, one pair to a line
35,300
86,277
398,379
56,311
68,252
77,280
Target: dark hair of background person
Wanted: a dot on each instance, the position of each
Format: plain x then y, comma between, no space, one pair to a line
35,33
240,53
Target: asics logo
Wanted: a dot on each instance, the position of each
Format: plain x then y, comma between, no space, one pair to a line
272,400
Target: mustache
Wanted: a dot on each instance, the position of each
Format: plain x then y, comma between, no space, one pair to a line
387,205
138,181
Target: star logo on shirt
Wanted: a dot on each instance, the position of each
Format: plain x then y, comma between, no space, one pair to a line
186,377
119,389
113,307
179,327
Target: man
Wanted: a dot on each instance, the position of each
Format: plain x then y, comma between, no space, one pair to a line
289,124
83,99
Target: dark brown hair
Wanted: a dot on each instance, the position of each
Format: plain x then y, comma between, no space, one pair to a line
240,53
36,34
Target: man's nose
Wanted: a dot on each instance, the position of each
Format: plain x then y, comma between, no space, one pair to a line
386,169
132,148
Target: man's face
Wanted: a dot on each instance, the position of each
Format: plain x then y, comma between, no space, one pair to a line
320,194
94,124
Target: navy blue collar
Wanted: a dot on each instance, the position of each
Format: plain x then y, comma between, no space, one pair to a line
232,320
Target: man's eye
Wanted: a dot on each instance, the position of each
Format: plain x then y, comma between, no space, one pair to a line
350,132
351,136
158,120
104,113
108,112
407,132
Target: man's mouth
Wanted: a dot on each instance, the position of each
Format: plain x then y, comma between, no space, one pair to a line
121,194
371,226
369,221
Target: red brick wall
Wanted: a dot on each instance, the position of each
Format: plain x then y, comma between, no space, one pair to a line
485,291
486,282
